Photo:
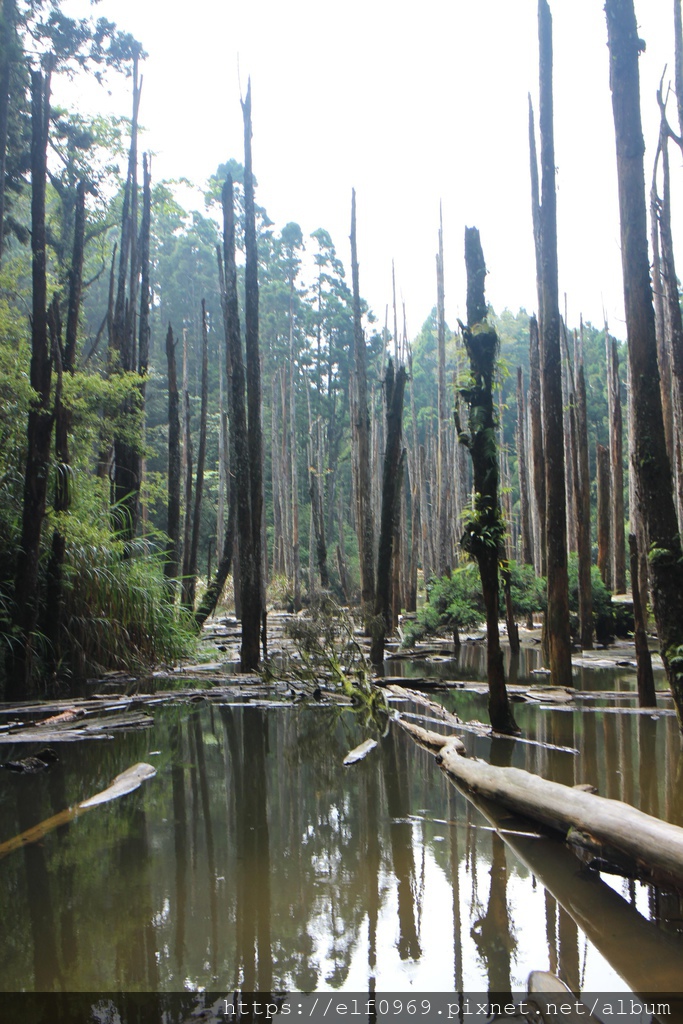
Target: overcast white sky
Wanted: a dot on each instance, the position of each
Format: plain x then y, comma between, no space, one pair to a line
410,104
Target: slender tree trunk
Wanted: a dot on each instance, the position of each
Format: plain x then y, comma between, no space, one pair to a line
443,565
646,683
361,433
556,520
8,46
483,535
583,503
20,682
394,457
187,526
538,460
604,516
64,359
296,558
617,473
172,564
253,609
651,465
201,459
525,524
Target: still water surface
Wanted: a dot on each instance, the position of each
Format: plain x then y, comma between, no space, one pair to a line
254,860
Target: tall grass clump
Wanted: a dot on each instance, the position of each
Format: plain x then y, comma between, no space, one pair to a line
117,613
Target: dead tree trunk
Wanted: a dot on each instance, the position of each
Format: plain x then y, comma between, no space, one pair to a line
538,460
484,530
361,434
616,450
646,682
20,682
201,459
651,464
557,620
392,480
172,564
604,516
583,504
443,565
251,558
524,521
64,358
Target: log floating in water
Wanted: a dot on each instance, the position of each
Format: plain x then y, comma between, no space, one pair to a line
655,847
123,784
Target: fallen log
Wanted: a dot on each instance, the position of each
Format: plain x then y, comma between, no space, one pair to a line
647,958
652,846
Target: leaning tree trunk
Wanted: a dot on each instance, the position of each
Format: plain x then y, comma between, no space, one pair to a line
40,418
557,618
484,530
392,480
650,464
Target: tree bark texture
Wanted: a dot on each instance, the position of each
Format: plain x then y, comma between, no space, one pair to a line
537,443
616,449
557,618
483,532
583,504
394,457
172,564
524,518
361,433
250,573
651,464
201,460
646,682
604,516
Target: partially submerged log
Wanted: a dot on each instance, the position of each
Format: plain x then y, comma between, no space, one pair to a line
650,961
653,847
126,782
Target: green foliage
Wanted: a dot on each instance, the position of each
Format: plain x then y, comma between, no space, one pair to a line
117,612
455,602
327,648
604,612
528,591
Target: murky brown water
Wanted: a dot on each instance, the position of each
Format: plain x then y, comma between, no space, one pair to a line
254,860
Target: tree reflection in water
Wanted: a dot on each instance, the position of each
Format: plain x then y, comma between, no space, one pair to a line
254,861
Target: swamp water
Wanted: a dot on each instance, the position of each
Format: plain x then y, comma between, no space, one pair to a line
255,861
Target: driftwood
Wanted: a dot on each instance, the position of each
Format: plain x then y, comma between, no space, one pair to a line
645,846
123,784
359,752
69,730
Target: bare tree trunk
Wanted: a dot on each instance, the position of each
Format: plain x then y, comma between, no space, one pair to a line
525,525
64,359
394,457
9,51
583,503
361,433
296,561
536,414
253,601
651,465
483,536
646,683
556,520
201,459
20,682
616,471
604,516
187,526
172,564
443,564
